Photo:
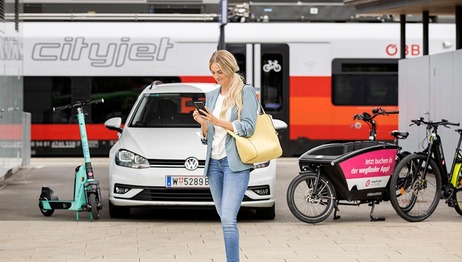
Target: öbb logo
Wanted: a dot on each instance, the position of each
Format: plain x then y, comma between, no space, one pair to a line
412,50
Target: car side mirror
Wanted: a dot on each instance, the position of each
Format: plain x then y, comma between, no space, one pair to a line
279,125
114,123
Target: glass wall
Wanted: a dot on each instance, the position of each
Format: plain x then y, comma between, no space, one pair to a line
11,86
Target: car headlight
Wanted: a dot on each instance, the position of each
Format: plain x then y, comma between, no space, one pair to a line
129,159
261,165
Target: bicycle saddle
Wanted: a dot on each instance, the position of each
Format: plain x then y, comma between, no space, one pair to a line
400,134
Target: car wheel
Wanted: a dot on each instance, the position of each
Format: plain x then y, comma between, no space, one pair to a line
267,213
117,211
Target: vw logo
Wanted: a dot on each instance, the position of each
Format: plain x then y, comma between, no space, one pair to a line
191,163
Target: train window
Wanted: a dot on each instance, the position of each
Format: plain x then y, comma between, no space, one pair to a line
61,94
272,82
368,82
41,94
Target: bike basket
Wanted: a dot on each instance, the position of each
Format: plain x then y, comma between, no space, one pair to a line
327,153
355,166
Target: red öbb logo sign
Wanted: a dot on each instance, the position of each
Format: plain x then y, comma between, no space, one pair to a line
412,50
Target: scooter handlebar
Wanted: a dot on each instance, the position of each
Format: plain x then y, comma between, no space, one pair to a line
78,104
96,101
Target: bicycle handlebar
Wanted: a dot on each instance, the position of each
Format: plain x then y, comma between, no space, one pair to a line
375,112
443,122
78,104
364,116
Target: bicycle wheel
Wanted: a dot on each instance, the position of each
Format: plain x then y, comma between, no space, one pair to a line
413,195
458,205
94,206
305,204
400,156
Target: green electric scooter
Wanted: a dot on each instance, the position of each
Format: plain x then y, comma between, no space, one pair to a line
87,192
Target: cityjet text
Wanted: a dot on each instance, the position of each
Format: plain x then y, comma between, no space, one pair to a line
101,54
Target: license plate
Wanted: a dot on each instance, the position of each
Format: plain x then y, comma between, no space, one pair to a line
186,181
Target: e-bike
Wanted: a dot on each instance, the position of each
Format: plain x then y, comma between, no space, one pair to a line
421,179
87,192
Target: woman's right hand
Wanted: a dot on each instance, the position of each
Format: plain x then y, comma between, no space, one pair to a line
199,118
202,120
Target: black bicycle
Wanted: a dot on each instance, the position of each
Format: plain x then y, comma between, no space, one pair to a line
421,179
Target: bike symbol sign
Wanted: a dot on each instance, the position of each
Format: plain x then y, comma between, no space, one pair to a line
272,65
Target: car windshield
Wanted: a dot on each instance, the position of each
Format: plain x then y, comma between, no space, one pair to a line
166,110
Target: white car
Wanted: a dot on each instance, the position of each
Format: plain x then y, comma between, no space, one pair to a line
159,159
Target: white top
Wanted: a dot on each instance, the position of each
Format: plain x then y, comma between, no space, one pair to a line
219,137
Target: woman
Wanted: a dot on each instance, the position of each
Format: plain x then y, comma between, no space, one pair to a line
232,107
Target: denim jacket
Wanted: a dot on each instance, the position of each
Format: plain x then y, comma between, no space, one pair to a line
245,127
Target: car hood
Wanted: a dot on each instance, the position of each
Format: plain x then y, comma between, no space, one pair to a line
164,143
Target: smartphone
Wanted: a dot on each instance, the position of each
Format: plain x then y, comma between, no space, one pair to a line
200,105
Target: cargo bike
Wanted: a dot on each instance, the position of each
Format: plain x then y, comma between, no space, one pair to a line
351,173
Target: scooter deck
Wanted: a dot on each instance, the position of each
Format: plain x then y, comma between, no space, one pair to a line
60,204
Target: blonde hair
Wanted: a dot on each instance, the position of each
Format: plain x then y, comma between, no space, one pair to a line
228,64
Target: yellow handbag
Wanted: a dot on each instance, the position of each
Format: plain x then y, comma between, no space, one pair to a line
263,145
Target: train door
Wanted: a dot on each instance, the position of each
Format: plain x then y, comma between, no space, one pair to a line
266,67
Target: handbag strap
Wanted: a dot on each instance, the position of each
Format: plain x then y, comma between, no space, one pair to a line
259,105
260,113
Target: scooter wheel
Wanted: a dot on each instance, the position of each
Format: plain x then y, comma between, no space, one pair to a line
47,194
94,206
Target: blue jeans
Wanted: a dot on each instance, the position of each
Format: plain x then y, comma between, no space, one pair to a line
228,190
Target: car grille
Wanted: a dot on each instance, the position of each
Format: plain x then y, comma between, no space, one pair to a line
172,195
171,163
163,194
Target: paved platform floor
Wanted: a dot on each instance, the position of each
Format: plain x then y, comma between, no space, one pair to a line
202,241
25,235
